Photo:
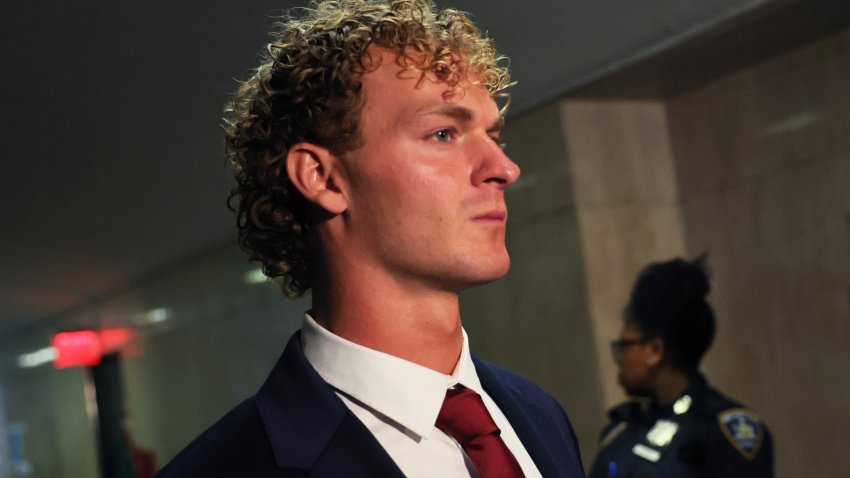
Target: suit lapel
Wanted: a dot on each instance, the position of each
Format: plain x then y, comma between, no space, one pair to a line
310,428
512,405
354,452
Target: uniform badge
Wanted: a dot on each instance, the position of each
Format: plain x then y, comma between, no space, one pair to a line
662,433
647,453
682,405
743,430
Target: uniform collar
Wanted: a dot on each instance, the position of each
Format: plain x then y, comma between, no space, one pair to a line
695,390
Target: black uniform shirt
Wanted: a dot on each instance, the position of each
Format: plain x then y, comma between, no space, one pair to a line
701,435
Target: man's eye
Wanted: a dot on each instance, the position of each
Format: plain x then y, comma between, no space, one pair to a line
443,135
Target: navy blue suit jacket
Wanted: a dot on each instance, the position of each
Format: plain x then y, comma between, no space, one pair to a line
296,426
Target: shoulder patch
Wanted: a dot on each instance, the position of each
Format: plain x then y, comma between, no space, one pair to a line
743,430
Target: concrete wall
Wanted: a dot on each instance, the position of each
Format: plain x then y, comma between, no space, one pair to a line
48,408
213,348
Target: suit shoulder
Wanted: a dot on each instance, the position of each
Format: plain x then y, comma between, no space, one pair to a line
536,401
513,380
237,441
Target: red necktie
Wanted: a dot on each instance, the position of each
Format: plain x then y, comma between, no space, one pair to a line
466,419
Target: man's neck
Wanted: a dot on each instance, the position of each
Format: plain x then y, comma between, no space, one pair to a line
422,327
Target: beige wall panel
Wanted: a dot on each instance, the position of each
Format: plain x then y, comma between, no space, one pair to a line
627,205
621,241
619,152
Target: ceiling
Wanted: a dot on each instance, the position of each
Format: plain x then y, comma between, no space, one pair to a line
113,164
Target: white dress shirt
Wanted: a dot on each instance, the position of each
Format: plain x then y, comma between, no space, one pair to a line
399,401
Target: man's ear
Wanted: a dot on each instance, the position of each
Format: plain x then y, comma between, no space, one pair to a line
315,173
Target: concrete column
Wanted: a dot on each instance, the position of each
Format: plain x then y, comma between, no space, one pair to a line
626,201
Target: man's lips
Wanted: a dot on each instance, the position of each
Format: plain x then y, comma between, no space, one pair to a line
495,217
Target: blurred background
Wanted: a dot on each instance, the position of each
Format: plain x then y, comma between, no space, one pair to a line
645,130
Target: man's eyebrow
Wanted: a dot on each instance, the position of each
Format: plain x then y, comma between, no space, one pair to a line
497,125
463,115
459,113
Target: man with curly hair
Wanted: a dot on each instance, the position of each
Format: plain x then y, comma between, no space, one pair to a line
369,171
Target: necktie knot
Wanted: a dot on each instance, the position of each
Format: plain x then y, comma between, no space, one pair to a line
465,417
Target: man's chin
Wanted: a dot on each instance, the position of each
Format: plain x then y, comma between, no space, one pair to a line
470,272
470,281
495,272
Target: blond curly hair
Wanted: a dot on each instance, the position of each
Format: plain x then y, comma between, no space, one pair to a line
308,89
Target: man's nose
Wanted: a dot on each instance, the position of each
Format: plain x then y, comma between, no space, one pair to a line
494,167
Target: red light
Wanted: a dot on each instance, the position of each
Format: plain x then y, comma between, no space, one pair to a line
86,347
76,348
112,340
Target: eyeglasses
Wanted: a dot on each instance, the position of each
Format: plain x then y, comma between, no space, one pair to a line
618,346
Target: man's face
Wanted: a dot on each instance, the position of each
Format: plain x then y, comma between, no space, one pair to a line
426,186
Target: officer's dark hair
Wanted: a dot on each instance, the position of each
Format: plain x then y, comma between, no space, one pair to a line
668,301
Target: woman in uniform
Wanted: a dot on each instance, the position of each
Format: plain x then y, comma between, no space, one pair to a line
677,425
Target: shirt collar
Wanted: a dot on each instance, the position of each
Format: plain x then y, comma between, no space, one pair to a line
405,392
